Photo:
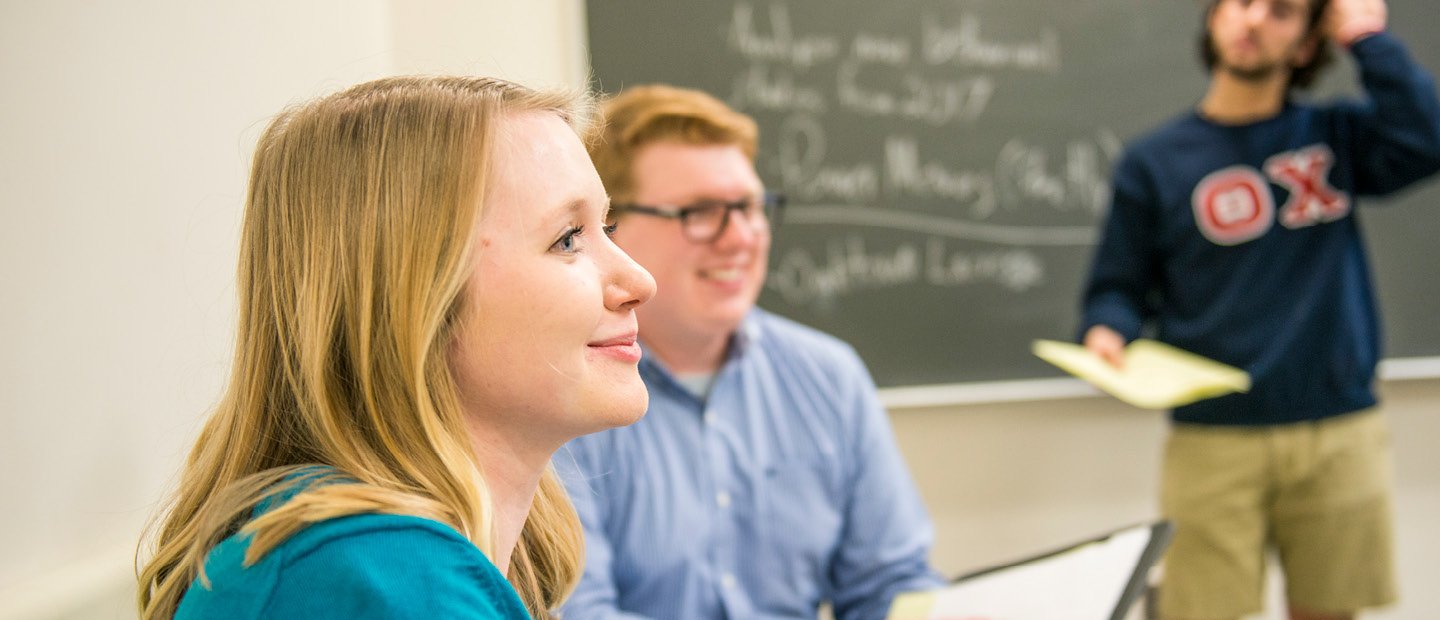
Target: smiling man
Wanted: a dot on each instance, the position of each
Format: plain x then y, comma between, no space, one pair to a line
1233,234
764,479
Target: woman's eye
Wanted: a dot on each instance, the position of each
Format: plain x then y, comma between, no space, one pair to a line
569,242
610,230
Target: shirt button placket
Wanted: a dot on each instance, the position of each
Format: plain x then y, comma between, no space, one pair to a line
719,553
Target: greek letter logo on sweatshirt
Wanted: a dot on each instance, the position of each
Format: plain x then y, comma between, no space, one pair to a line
1234,205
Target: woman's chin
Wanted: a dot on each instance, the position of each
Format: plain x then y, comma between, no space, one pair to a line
623,407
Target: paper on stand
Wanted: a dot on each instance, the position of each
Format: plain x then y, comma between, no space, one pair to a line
1081,583
1155,375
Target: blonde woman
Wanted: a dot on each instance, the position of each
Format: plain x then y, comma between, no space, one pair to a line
430,306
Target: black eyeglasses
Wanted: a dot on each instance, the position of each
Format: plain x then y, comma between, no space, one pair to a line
705,221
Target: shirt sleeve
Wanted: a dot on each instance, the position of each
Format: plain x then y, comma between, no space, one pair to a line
1125,272
595,597
391,572
1398,128
887,536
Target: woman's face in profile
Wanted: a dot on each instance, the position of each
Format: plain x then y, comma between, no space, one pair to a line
547,347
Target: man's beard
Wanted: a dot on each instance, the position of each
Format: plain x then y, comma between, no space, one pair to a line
1259,73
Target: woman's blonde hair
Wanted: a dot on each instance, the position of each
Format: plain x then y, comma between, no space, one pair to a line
354,255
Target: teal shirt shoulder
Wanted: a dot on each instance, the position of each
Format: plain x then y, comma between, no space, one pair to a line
355,567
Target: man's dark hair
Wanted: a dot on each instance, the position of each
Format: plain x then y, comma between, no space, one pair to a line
1300,77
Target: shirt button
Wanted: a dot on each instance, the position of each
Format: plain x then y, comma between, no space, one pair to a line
723,499
727,580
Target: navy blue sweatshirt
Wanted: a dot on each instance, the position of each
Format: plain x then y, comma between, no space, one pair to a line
1241,243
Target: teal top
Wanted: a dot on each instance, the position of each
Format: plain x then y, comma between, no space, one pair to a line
355,567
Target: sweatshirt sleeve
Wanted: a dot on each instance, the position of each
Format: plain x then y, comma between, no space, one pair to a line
1124,272
1398,126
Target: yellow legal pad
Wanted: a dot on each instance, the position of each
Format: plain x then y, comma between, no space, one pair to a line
1156,375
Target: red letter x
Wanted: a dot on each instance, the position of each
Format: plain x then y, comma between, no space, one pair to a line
1312,199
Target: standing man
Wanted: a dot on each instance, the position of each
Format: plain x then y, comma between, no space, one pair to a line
1233,231
764,480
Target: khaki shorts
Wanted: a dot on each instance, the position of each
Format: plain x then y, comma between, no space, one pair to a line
1316,493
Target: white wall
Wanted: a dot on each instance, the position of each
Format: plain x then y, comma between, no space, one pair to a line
539,43
124,148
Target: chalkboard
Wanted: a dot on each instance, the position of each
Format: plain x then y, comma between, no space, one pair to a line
948,162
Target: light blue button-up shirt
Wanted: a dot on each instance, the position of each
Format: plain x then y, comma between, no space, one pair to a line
781,490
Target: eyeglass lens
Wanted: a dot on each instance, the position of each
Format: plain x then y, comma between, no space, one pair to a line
706,223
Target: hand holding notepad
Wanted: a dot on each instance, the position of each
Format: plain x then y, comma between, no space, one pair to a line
1155,375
